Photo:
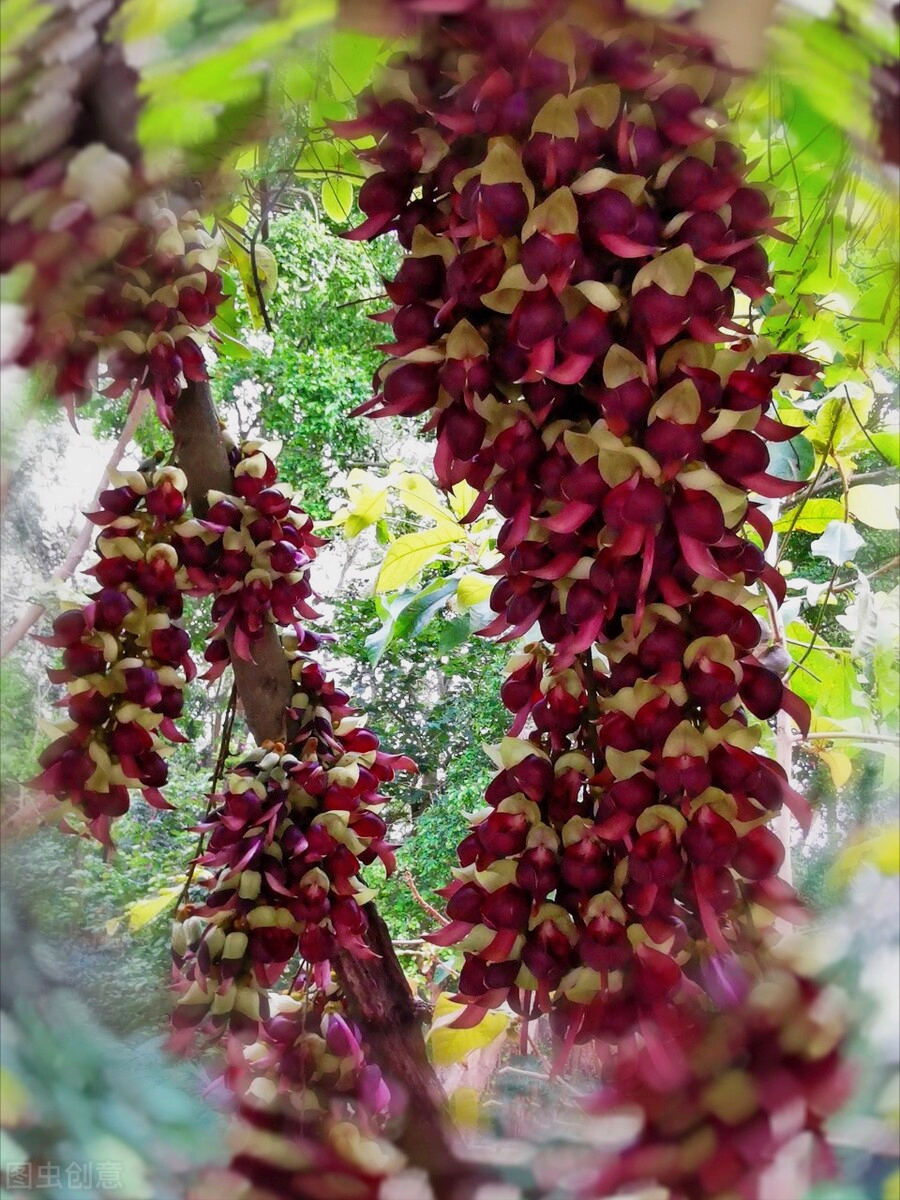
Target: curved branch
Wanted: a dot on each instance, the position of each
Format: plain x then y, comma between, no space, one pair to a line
420,899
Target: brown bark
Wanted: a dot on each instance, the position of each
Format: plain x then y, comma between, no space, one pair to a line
380,1001
376,990
264,686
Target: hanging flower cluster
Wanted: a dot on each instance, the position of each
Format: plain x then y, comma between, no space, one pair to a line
117,290
251,551
286,844
625,836
734,1101
579,229
140,325
315,1116
315,1121
125,658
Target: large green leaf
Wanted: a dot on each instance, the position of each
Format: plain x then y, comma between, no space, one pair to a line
406,615
337,198
812,517
352,57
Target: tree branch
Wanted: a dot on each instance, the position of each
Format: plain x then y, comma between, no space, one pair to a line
264,686
421,901
80,545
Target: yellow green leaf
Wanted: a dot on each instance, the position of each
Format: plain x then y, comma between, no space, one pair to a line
450,1045
421,496
411,553
881,851
337,198
474,588
14,1101
462,498
352,57
891,1190
368,500
838,764
875,504
142,912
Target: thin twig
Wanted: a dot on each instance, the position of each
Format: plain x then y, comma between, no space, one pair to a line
406,875
224,748
888,566
844,735
79,546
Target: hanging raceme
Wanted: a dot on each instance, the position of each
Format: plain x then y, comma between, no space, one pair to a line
316,1120
125,659
577,225
287,839
251,551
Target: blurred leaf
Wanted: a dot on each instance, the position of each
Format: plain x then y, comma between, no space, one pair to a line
142,912
15,1105
876,505
882,850
838,764
352,57
464,1107
450,1045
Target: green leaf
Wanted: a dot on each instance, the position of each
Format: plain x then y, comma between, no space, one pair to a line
827,680
793,459
337,198
406,615
814,516
352,57
474,588
454,633
888,443
411,553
